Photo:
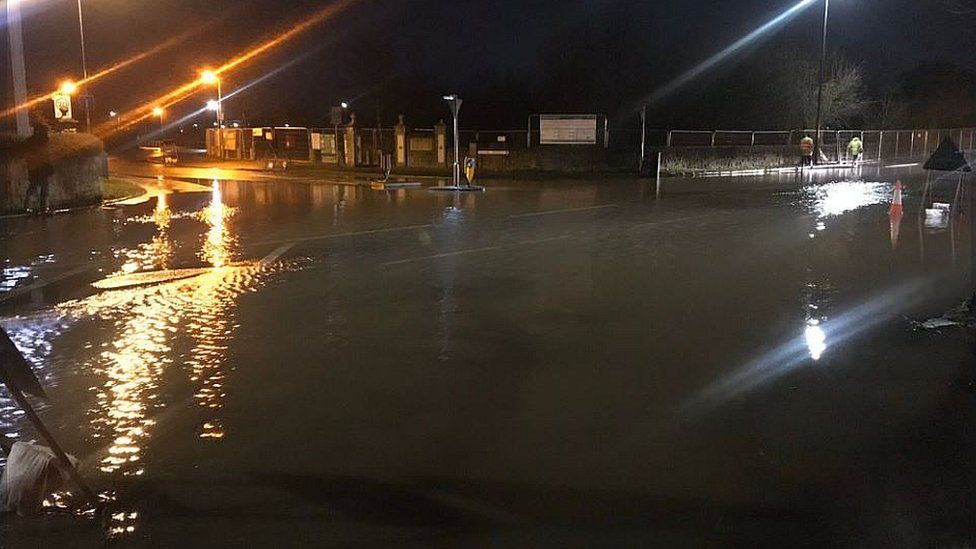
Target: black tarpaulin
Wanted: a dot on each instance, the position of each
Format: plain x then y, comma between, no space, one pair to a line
947,158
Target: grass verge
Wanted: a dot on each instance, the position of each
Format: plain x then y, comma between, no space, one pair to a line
117,189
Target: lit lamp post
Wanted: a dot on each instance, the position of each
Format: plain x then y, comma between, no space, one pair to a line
210,78
159,112
823,62
115,116
454,101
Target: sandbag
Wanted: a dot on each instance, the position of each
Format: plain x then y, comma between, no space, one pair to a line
32,473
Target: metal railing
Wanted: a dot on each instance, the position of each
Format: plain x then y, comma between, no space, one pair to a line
877,143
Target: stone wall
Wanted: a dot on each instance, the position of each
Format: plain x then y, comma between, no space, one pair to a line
80,165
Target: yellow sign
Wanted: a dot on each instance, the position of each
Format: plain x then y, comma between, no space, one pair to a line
62,107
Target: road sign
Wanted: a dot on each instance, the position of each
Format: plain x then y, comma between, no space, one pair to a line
62,107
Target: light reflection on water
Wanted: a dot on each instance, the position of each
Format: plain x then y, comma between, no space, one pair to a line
833,199
187,323
220,244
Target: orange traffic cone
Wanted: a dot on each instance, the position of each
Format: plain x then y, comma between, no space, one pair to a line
895,214
896,200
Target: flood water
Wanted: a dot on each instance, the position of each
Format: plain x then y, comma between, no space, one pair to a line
543,364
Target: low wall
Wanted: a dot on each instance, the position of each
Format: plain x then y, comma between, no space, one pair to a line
80,165
690,160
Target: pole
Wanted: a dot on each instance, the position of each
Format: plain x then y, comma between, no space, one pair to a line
17,67
657,190
42,430
220,119
643,141
86,98
457,152
823,62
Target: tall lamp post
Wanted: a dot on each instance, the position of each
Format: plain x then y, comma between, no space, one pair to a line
211,78
454,101
85,97
159,112
823,63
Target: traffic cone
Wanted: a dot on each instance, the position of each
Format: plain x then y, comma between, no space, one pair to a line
895,214
896,200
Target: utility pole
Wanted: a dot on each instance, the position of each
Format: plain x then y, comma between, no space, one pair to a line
19,72
643,145
85,96
823,63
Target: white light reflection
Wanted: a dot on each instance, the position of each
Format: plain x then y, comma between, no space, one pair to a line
816,339
836,198
796,352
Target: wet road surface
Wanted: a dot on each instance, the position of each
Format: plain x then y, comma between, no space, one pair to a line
549,364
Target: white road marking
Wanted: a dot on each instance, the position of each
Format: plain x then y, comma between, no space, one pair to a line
342,235
474,251
565,210
447,254
276,253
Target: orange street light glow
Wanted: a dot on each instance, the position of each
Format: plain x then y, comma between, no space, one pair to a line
158,111
185,90
68,87
30,103
208,77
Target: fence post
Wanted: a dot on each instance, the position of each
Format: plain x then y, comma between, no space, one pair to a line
911,151
897,140
880,143
926,149
669,138
789,140
657,191
713,138
752,140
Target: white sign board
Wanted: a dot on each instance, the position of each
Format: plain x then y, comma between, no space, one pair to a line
62,106
567,129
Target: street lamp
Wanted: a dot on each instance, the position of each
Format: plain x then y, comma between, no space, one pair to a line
210,78
159,112
68,87
823,62
115,116
454,101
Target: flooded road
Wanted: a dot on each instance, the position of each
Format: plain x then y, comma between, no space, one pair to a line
294,364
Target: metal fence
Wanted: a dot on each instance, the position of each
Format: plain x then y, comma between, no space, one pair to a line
877,143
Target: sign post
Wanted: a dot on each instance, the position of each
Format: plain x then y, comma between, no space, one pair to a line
62,107
454,102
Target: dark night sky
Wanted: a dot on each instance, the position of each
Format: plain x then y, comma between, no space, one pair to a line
378,50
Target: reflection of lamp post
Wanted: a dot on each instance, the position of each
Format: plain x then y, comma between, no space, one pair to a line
454,101
823,62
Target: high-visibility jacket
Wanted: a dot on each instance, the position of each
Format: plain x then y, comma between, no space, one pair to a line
855,147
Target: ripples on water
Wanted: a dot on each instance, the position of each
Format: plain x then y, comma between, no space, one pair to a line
186,324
